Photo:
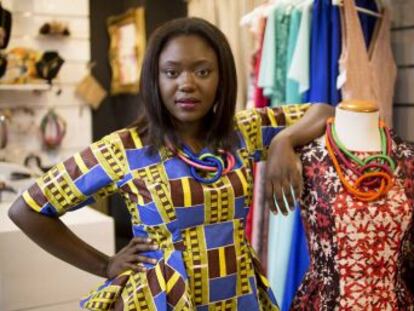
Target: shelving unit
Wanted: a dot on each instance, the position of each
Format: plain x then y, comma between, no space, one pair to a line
25,87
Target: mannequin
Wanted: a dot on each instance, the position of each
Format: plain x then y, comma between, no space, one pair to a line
363,135
361,245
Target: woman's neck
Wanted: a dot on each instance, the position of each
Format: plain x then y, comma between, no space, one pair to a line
358,131
192,137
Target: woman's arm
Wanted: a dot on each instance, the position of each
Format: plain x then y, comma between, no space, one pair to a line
56,238
52,235
282,164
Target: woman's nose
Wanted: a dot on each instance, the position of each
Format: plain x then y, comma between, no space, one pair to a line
186,82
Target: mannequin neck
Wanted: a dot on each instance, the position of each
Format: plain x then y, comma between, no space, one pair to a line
358,131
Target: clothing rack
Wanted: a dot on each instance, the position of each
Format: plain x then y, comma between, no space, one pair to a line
359,9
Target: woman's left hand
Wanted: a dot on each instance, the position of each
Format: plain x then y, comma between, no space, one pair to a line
283,179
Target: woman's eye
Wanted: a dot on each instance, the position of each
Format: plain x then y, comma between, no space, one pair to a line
171,73
203,73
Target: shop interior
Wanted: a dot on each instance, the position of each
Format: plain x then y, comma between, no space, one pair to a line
66,81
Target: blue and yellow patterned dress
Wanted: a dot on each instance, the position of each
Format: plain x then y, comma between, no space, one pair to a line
204,261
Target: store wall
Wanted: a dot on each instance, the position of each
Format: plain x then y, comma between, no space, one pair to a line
403,46
28,107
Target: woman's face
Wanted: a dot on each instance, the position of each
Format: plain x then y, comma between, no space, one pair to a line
188,79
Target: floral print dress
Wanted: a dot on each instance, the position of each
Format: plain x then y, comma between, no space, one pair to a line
362,255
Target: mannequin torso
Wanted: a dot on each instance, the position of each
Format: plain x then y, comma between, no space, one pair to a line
361,251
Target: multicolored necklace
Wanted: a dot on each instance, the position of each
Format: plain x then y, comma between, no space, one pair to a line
375,171
213,165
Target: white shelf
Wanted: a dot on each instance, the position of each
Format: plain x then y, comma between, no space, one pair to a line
25,87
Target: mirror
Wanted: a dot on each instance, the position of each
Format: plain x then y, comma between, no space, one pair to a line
126,50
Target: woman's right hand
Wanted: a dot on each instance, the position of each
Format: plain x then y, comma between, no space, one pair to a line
129,258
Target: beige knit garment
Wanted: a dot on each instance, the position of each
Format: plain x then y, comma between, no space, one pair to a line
369,74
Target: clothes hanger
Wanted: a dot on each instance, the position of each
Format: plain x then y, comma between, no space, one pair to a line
359,9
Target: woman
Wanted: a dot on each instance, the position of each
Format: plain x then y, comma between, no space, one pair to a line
185,173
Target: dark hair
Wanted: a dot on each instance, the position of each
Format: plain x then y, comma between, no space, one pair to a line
219,124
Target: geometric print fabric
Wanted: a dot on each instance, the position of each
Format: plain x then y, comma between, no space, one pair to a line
204,261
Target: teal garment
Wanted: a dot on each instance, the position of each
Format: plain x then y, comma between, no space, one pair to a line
279,244
293,94
300,66
273,69
282,36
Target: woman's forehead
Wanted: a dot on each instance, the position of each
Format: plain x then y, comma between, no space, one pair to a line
187,47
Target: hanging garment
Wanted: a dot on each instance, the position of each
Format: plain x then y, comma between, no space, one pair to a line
293,95
259,99
358,249
279,243
299,67
259,207
361,70
324,53
298,262
273,67
368,22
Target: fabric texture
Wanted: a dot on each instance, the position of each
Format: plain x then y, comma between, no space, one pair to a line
204,261
363,70
357,258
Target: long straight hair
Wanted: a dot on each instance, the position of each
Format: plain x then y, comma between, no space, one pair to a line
156,121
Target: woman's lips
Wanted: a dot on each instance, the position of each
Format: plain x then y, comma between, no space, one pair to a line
187,104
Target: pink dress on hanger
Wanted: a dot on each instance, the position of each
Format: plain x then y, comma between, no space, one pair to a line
368,75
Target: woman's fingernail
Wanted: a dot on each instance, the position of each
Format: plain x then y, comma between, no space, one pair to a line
148,240
154,261
154,246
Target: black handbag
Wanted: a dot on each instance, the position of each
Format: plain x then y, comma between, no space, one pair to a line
49,65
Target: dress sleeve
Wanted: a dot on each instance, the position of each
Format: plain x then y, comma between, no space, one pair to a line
257,127
80,179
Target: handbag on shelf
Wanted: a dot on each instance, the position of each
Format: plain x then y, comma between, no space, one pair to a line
49,65
91,91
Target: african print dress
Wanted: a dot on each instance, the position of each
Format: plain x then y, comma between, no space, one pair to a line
362,254
204,261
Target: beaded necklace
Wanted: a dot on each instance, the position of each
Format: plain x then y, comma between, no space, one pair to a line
374,171
208,162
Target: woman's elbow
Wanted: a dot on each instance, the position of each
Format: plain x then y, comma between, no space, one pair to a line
18,211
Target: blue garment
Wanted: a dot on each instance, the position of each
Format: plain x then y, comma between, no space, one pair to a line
368,22
336,49
298,261
325,51
326,48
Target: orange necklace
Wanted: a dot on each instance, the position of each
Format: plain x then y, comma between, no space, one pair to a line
373,172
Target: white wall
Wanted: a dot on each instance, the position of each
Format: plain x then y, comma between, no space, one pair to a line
24,134
403,46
